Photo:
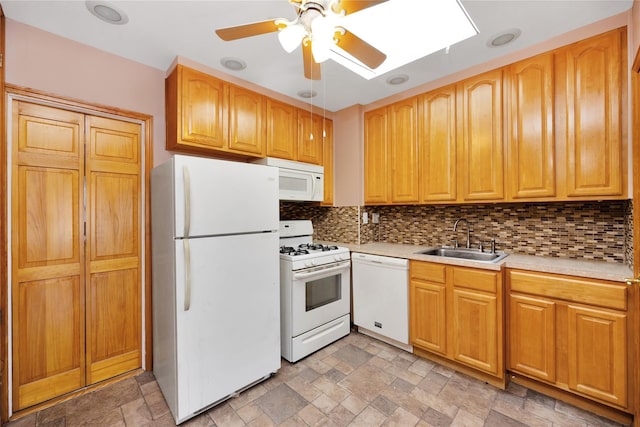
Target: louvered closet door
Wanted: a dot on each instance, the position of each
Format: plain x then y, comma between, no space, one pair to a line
113,248
76,302
47,282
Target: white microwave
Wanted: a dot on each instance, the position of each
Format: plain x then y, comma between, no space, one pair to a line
302,182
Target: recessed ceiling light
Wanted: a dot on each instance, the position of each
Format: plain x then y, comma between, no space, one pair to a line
504,37
307,93
397,79
234,64
107,12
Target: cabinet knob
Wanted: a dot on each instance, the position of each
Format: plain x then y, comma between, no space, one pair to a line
630,281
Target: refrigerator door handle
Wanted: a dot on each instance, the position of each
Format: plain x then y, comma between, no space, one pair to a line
185,240
187,274
187,200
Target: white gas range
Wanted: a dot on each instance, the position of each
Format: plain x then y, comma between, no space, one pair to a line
315,287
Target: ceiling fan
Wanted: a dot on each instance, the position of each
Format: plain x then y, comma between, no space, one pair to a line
317,28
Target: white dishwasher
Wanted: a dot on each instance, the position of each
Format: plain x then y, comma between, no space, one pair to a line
381,297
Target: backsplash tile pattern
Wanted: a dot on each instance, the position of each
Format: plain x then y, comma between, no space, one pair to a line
336,224
580,230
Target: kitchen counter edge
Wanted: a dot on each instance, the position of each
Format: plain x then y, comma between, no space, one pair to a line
592,269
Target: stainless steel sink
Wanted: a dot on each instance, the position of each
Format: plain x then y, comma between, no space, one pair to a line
462,253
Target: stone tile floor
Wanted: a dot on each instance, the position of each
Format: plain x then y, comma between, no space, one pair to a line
357,381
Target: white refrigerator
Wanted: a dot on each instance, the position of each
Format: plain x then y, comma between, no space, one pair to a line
215,283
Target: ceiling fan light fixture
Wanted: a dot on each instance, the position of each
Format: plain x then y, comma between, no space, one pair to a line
291,36
322,32
233,64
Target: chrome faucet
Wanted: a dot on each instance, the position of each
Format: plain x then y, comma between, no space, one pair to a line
455,226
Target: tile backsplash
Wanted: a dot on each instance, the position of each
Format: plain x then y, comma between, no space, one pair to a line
580,230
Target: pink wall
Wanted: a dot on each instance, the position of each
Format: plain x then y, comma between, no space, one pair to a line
348,134
43,61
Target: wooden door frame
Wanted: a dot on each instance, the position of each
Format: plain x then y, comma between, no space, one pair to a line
40,97
634,340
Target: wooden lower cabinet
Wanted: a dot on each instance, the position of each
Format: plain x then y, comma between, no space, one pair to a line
456,314
571,333
76,251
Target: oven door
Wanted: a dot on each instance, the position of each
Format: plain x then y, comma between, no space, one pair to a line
319,295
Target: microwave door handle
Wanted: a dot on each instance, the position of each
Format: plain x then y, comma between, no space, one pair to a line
313,185
322,272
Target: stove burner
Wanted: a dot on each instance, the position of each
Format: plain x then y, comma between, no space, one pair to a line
288,250
317,247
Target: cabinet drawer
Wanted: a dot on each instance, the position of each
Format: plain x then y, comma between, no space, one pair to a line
480,280
428,271
568,288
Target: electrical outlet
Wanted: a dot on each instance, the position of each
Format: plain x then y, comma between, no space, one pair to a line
375,218
365,217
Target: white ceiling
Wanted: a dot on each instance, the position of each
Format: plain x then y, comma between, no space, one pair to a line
158,31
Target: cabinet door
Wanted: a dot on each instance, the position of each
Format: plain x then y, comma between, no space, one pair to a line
403,148
47,248
594,126
532,167
327,154
427,316
480,136
113,262
437,145
532,332
597,347
475,330
247,132
282,130
310,137
376,164
202,109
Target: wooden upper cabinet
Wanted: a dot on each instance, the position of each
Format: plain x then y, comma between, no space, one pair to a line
532,158
247,130
282,130
327,163
403,151
310,137
376,164
480,137
595,78
437,145
200,119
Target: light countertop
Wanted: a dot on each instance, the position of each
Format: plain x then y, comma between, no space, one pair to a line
573,267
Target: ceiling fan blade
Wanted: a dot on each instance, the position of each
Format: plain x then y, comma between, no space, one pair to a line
248,30
311,67
352,6
360,49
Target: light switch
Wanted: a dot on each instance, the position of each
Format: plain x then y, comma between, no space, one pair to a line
365,217
375,218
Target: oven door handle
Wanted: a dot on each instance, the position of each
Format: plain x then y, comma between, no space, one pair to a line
322,272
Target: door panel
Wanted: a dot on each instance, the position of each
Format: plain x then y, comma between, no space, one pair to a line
48,340
228,298
532,329
114,212
114,327
113,244
48,222
428,316
597,344
47,285
476,329
437,121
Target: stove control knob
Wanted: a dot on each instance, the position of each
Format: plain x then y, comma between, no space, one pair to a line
338,257
308,263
